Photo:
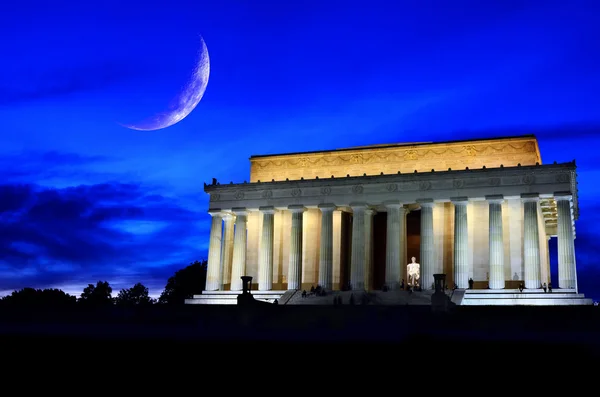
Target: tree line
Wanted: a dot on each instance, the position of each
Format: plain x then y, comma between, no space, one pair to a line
182,285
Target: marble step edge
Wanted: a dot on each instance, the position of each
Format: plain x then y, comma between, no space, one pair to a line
524,296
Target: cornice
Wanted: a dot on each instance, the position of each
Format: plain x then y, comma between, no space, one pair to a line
376,189
397,178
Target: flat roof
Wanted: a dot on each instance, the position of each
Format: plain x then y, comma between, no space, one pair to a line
394,145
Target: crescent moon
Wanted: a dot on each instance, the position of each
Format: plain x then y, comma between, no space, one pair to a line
187,99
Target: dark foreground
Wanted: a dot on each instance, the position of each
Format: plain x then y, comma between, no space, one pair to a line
568,332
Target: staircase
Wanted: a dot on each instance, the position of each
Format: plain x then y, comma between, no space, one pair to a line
529,297
230,297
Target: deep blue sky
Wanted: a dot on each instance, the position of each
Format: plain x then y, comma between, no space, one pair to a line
83,199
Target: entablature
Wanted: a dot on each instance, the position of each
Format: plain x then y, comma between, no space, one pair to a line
440,186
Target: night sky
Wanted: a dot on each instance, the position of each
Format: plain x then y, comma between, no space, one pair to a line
84,199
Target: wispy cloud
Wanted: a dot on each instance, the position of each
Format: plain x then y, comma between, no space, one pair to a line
116,231
31,85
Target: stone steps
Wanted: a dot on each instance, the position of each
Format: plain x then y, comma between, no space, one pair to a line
230,297
527,297
527,302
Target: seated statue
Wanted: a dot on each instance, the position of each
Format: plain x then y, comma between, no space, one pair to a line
413,270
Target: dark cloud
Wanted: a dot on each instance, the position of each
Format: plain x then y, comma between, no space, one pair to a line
33,86
81,228
33,166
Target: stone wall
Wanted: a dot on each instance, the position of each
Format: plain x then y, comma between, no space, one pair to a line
390,159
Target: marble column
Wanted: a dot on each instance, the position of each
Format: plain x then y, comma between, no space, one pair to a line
461,242
496,238
295,261
226,250
369,248
394,249
531,241
238,267
265,259
326,248
357,256
213,271
566,244
427,244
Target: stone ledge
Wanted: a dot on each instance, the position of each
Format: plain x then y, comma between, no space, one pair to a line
525,291
527,302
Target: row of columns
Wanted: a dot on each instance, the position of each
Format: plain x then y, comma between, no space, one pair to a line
219,260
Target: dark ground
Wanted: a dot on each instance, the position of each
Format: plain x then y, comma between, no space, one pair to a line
568,332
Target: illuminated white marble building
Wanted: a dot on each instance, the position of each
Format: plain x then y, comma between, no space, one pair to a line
479,209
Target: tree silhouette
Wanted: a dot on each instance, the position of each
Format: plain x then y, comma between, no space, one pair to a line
97,295
136,295
37,297
184,283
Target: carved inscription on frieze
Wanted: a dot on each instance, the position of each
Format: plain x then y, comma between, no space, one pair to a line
411,154
425,185
562,178
356,158
470,150
374,160
326,191
528,179
358,189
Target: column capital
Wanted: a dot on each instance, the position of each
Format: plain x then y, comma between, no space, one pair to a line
227,216
296,208
358,206
239,211
267,210
216,212
459,200
529,197
563,196
324,207
495,198
393,204
425,202
369,211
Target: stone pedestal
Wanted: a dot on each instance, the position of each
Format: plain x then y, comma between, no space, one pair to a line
440,302
531,241
496,238
265,262
326,248
295,261
213,271
238,267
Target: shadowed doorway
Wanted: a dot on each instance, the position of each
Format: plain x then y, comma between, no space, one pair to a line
379,248
413,238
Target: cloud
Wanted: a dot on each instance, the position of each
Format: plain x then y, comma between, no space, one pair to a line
31,86
116,231
40,165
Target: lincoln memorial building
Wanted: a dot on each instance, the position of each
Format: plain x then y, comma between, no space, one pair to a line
480,211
